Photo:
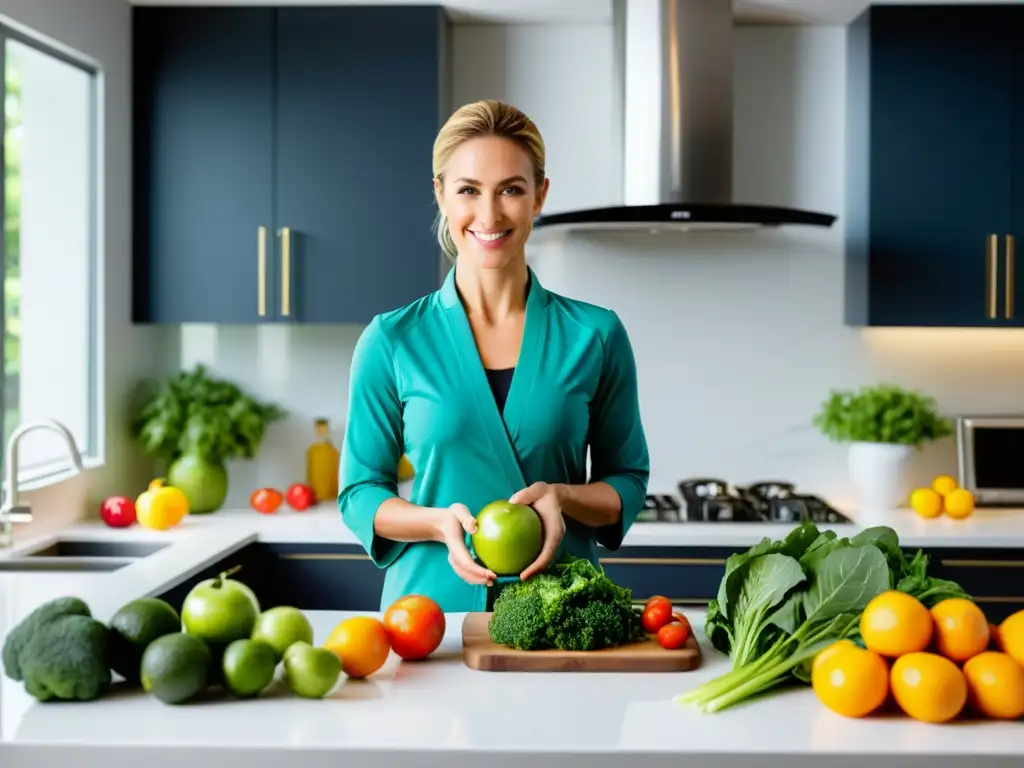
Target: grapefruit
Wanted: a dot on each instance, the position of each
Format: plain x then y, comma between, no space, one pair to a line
508,537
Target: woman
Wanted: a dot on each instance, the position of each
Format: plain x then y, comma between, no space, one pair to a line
493,387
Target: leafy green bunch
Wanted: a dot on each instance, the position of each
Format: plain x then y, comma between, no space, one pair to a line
572,607
781,602
197,414
883,413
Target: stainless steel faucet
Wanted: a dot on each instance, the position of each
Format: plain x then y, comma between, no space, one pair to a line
15,510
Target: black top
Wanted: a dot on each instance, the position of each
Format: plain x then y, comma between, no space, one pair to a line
500,381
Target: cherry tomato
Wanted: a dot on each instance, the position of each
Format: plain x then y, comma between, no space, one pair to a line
674,635
658,599
656,616
415,626
300,497
266,500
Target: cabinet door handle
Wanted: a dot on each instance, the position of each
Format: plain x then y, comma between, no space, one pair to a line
992,289
1009,276
286,270
261,270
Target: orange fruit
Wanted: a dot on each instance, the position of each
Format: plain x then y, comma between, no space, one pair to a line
895,623
826,653
850,681
961,629
926,502
361,643
944,484
928,687
960,504
995,685
1011,636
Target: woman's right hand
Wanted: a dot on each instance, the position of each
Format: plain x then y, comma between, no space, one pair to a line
453,524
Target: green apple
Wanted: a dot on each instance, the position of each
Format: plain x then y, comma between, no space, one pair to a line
508,537
281,626
312,672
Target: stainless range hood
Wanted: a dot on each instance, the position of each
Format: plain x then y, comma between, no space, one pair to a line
674,72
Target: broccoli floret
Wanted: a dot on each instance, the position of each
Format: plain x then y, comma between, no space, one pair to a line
29,627
518,618
66,659
573,607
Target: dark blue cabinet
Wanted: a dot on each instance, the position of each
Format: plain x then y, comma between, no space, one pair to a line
340,577
282,161
203,171
935,121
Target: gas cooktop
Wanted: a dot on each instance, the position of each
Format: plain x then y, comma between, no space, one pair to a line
708,500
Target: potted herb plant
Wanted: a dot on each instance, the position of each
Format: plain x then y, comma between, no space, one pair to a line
883,425
193,424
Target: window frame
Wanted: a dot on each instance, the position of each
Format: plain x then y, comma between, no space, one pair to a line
91,446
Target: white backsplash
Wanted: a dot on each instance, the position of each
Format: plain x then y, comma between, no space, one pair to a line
738,337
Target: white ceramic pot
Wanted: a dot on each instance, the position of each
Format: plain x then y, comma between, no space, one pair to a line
879,474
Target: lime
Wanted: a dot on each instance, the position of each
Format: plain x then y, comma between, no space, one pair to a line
312,672
508,537
133,628
282,626
175,667
248,667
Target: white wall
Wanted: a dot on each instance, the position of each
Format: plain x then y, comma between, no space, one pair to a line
100,29
738,337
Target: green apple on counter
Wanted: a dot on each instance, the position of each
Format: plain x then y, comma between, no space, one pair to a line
312,672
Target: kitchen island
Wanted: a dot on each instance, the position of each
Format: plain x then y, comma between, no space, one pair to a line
440,713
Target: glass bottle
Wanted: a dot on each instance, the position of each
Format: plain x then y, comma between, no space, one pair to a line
322,464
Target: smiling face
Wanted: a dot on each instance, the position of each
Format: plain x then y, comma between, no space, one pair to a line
490,198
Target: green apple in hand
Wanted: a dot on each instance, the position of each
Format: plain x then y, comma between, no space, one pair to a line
312,672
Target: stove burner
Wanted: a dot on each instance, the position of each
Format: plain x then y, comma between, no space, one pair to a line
711,500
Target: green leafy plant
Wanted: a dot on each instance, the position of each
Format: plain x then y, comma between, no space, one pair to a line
783,601
882,413
199,415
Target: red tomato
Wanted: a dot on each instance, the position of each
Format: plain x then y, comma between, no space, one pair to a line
300,497
656,616
674,635
415,625
266,500
657,599
118,511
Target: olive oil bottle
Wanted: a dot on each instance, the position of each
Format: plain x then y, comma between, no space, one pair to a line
322,464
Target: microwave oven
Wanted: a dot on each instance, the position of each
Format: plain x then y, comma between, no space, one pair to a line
990,458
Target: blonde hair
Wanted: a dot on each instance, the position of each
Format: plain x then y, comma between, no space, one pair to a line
488,117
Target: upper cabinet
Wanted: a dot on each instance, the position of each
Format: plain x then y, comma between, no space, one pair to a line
282,161
935,166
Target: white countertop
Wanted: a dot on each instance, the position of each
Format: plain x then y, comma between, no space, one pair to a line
441,712
994,527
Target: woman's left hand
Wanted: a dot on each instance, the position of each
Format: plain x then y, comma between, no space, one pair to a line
545,499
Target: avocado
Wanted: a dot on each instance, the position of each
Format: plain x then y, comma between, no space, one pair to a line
133,628
176,667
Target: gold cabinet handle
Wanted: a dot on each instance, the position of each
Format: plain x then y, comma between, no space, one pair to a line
286,270
992,289
261,271
1009,276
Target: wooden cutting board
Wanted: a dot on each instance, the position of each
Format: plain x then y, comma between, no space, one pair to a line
480,652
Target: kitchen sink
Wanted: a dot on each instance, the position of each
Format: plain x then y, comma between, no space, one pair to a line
63,548
64,564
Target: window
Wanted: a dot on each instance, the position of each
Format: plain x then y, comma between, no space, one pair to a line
48,257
